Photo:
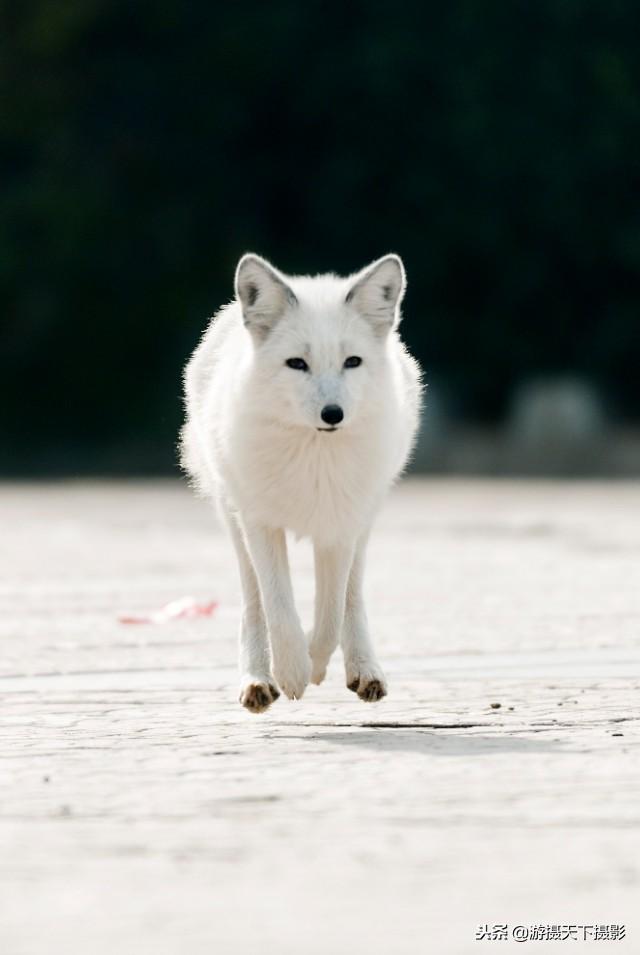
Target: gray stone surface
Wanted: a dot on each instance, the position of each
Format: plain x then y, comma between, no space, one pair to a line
143,811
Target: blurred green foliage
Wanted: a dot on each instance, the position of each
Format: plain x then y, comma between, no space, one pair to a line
146,145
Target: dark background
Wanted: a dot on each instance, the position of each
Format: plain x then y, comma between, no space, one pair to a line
145,146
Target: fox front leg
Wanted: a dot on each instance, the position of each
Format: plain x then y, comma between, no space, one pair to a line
364,674
291,665
257,686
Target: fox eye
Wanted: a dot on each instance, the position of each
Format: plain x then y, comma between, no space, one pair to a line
353,361
298,363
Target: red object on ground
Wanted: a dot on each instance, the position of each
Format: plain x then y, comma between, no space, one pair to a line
184,608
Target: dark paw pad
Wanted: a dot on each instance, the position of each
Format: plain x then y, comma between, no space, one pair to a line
257,697
372,691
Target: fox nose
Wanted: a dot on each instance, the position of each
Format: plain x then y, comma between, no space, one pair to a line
332,414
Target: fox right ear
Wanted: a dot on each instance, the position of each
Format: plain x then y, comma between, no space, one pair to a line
263,294
378,291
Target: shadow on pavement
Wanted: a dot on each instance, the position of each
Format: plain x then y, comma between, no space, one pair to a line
432,743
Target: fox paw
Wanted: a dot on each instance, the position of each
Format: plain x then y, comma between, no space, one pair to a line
318,671
257,695
292,671
319,664
369,683
320,652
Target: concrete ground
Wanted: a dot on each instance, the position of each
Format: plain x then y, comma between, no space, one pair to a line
144,811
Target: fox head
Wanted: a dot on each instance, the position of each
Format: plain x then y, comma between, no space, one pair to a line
320,344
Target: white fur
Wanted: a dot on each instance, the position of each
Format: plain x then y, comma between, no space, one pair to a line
251,442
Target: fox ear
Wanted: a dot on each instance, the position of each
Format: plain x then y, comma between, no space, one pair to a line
378,290
263,294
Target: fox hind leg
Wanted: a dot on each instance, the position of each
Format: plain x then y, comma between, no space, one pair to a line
332,566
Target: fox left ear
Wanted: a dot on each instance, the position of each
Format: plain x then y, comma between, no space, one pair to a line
378,290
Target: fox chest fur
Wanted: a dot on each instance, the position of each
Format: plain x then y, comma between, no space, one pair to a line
316,485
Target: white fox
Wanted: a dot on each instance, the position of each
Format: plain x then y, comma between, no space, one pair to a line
302,406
